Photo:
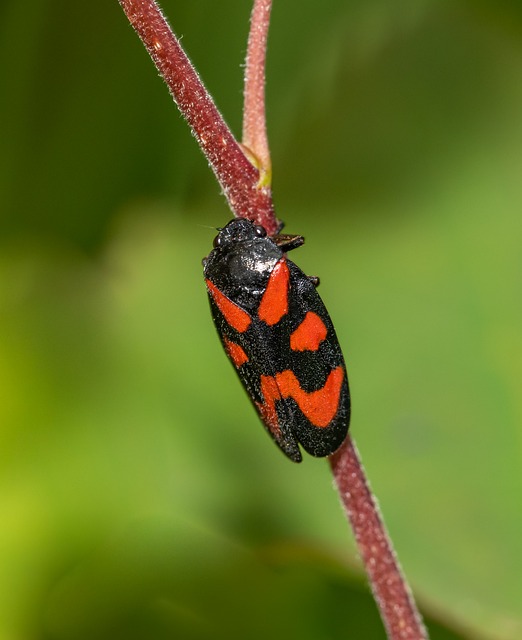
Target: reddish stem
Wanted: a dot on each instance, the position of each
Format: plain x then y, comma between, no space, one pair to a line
390,589
248,193
254,118
238,177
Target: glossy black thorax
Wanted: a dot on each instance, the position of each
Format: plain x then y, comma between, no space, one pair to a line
241,262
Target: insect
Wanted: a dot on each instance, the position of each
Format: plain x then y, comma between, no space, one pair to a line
278,335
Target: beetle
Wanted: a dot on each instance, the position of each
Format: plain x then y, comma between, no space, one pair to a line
279,337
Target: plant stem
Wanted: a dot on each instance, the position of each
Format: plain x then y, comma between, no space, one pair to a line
246,187
390,588
238,177
254,119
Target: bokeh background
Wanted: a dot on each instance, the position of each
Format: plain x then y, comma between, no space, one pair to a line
139,496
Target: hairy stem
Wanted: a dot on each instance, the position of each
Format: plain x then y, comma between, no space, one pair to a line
254,113
238,177
390,589
245,183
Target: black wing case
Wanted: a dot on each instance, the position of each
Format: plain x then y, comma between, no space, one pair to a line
317,361
250,353
292,368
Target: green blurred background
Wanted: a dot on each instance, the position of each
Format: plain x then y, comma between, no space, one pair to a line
139,496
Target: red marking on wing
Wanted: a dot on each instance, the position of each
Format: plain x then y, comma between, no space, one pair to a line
235,352
319,407
309,334
274,303
267,410
236,317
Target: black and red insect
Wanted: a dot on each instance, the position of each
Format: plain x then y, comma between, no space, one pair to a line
278,335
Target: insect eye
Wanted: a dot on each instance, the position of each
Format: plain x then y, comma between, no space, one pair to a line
260,231
217,241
